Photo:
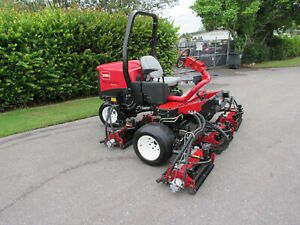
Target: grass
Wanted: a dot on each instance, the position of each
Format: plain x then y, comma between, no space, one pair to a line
279,63
21,120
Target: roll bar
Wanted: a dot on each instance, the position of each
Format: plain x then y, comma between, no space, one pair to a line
130,24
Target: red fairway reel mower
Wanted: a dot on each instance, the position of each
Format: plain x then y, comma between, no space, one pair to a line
145,108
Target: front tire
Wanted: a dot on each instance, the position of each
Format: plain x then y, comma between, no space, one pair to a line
153,143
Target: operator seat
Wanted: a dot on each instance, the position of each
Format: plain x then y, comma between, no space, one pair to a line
152,70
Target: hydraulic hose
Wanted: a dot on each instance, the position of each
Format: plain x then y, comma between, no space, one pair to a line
186,148
108,121
199,130
210,125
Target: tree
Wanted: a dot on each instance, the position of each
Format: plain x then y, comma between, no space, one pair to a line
250,22
104,5
128,5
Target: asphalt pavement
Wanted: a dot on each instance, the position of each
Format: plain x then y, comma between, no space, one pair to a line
62,175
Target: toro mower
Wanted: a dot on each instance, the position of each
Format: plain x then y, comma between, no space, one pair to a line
145,108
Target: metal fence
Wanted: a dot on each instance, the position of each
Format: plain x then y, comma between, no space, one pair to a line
212,53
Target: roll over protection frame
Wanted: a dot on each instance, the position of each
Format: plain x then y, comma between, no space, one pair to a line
130,24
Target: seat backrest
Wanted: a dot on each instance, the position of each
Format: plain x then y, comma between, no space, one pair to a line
151,63
149,93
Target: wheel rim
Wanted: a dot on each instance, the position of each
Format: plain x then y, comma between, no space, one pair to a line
113,116
148,147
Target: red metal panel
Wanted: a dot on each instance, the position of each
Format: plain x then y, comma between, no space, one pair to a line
111,74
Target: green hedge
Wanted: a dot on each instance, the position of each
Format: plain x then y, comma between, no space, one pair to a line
285,47
49,56
255,52
279,48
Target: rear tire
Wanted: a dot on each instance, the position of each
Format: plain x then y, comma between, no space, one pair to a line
103,110
153,143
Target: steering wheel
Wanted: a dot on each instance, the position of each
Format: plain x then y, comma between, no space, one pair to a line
182,57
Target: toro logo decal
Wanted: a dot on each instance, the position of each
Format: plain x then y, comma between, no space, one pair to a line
106,76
